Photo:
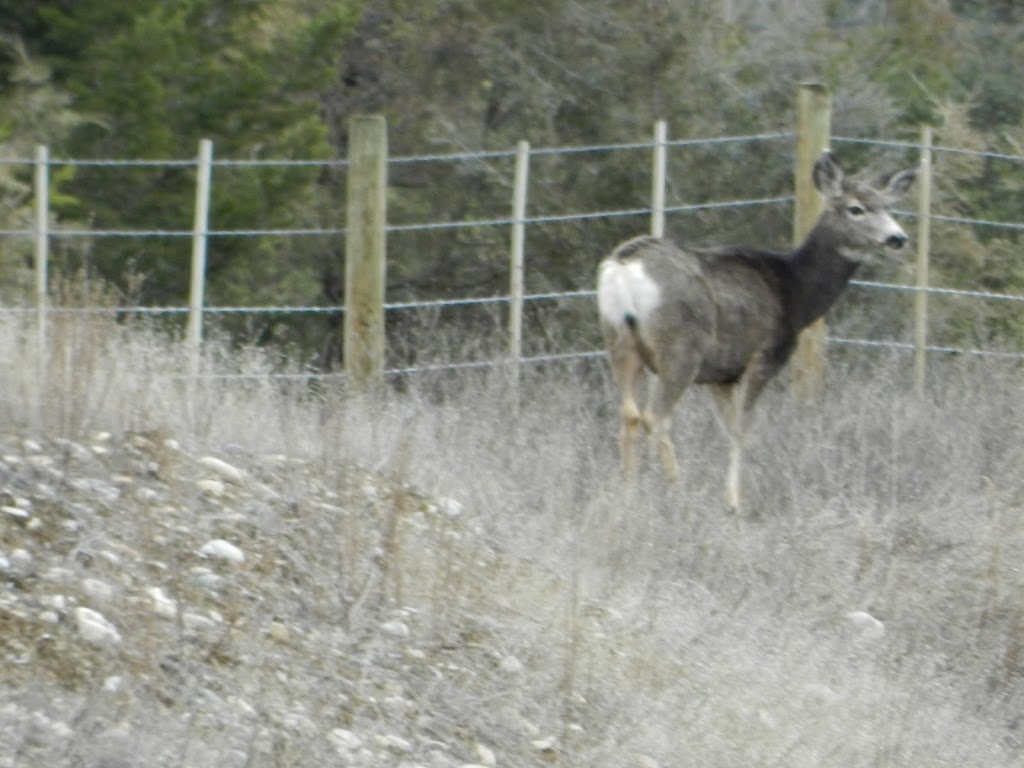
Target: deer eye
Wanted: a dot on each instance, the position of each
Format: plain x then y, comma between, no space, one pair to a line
855,210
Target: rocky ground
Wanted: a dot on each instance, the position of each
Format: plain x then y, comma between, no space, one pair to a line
280,590
159,608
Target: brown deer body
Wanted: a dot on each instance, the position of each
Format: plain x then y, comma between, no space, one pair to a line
730,317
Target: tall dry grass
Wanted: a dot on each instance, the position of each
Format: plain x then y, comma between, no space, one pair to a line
648,623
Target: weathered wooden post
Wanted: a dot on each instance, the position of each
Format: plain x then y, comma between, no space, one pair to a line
814,131
200,228
924,202
517,259
365,251
659,161
42,251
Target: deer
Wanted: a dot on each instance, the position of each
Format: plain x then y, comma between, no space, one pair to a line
729,317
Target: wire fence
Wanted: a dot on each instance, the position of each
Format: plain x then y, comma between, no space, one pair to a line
201,234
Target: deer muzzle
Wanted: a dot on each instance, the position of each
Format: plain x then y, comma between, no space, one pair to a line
896,241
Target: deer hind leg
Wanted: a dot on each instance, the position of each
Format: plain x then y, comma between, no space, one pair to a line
665,393
628,369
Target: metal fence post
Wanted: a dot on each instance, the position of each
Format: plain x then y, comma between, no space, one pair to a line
814,130
517,257
200,229
658,179
42,255
365,250
924,202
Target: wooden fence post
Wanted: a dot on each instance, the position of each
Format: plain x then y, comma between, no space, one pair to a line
42,255
814,130
924,202
200,228
658,179
517,258
365,250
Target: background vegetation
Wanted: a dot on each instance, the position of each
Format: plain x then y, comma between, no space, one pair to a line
280,79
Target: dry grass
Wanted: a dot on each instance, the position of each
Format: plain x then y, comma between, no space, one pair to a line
551,616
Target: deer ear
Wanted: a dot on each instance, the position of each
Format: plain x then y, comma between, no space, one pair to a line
828,175
895,184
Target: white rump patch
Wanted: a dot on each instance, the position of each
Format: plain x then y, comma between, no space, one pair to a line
625,289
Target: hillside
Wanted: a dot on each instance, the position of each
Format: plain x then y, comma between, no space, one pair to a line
438,579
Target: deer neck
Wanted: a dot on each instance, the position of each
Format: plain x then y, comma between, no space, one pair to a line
819,274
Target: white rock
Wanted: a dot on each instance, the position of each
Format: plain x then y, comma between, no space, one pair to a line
163,606
61,731
219,549
485,755
60,575
395,628
198,623
95,629
56,602
16,513
113,684
31,446
864,626
114,558
212,487
208,580
73,449
511,665
243,706
222,469
395,743
146,495
98,591
450,507
279,632
547,744
21,561
344,741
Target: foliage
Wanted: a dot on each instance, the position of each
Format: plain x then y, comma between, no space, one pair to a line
280,80
162,76
33,111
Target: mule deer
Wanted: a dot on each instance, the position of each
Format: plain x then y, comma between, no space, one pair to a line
730,317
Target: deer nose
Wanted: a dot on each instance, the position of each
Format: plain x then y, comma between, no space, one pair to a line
896,241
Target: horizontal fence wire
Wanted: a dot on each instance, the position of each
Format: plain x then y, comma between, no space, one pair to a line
979,153
470,301
503,155
907,346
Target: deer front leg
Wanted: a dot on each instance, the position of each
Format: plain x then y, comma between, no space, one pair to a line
731,399
734,403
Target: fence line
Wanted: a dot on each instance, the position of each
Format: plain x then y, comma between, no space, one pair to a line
498,154
518,222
